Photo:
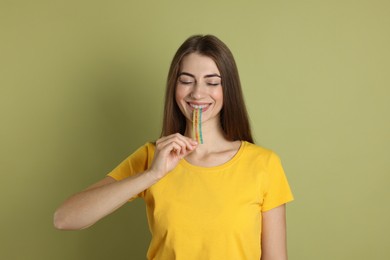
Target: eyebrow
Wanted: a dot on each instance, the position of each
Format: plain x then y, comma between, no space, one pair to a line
207,76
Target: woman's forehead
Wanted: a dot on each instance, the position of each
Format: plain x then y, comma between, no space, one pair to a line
198,65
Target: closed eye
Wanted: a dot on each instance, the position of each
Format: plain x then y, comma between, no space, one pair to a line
185,82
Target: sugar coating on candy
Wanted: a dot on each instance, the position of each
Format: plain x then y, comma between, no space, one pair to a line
197,125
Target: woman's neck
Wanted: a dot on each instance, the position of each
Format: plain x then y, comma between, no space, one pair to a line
212,133
215,150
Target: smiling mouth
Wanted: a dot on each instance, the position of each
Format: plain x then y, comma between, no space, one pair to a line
198,106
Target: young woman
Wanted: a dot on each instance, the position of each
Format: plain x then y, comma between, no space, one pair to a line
220,199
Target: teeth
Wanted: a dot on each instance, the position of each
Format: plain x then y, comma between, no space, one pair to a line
198,106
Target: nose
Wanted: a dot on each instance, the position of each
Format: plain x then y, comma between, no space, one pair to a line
197,91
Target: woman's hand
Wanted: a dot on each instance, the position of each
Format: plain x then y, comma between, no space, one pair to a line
169,151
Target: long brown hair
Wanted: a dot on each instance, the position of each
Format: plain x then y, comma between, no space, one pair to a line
233,116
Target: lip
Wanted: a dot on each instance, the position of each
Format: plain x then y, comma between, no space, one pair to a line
205,106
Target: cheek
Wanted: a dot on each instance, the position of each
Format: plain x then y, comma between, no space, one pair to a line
218,95
178,95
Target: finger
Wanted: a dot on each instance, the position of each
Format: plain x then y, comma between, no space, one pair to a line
168,137
190,144
175,148
178,146
181,140
170,147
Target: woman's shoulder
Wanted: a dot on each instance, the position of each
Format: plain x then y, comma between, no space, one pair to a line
260,154
257,149
260,151
150,145
144,151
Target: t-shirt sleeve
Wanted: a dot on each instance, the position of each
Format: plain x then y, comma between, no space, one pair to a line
277,190
137,162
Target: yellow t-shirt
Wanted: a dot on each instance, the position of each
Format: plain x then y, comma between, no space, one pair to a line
210,213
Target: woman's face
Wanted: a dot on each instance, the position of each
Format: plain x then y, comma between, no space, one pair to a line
199,86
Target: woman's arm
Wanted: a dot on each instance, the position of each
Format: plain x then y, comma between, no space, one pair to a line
273,236
87,207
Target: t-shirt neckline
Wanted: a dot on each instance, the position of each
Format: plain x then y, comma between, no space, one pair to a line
236,156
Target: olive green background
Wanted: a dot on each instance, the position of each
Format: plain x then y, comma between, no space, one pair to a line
81,87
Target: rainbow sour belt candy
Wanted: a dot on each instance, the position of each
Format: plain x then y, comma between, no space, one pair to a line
197,125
